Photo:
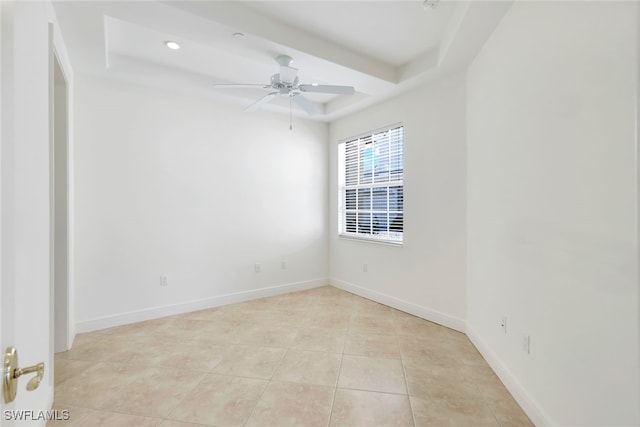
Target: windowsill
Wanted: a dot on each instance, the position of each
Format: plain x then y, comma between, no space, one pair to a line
364,239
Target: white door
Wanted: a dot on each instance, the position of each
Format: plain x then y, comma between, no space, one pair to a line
25,218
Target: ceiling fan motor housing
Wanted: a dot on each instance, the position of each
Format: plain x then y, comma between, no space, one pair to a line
283,87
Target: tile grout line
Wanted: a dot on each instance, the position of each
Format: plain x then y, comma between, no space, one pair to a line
404,371
270,380
186,395
487,404
335,389
335,392
373,391
406,382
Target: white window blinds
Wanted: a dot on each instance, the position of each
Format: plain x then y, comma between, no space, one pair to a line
371,190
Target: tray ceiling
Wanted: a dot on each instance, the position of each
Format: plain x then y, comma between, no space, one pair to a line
382,48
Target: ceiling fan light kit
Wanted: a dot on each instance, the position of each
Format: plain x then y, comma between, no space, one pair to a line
286,83
284,60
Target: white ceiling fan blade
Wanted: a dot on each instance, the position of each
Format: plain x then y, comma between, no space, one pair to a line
238,86
338,90
261,101
288,74
311,108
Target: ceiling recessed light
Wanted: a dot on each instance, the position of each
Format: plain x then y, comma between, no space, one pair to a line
238,35
172,45
314,84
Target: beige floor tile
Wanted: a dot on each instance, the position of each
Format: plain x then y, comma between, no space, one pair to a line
457,413
438,381
139,328
509,414
183,328
465,352
378,324
141,350
412,348
333,302
193,355
397,314
268,335
416,326
328,318
289,301
296,300
266,363
112,419
309,367
373,345
483,375
259,305
372,374
154,394
170,423
221,332
428,348
248,318
87,347
493,391
427,413
68,368
320,339
288,404
68,416
209,314
353,408
220,400
370,308
462,390
229,314
328,290
92,387
250,361
428,370
287,316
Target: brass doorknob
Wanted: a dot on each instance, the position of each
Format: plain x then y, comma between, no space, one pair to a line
12,373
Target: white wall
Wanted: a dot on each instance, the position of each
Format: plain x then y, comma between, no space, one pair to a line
427,275
552,220
195,190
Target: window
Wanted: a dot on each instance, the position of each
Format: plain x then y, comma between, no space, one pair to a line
370,175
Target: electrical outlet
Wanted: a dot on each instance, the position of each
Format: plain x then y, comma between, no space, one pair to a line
503,324
257,268
164,281
365,268
283,264
526,343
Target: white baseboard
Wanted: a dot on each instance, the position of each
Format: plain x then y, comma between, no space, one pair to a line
417,310
194,305
533,410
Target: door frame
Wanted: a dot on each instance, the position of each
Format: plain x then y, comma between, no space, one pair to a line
59,325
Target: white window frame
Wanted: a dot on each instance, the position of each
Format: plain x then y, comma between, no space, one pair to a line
371,235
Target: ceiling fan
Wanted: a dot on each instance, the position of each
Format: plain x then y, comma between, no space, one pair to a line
285,83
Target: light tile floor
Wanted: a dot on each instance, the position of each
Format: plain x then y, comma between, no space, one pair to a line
322,357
